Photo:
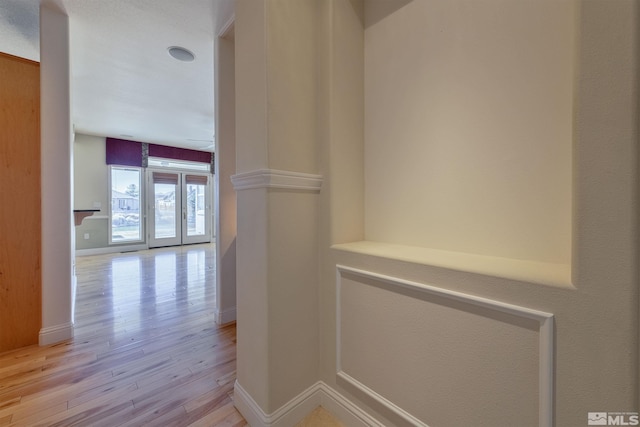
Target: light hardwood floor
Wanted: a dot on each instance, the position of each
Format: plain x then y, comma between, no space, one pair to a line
146,350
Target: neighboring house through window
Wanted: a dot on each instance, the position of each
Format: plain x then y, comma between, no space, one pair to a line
126,188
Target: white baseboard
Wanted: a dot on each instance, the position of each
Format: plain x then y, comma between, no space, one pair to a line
110,250
292,412
56,333
249,409
319,394
345,410
225,316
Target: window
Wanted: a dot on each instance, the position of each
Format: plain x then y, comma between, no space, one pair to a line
125,218
158,162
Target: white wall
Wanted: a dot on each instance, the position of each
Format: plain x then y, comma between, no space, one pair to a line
90,173
507,130
277,224
91,176
502,129
56,164
469,126
225,196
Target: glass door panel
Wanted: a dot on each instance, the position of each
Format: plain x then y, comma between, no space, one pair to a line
164,209
197,215
179,208
195,210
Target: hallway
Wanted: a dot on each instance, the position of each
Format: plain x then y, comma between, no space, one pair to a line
146,349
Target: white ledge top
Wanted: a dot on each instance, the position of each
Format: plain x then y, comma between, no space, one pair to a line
272,178
543,273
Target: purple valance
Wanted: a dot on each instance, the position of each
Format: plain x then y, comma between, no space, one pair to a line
175,153
124,153
129,153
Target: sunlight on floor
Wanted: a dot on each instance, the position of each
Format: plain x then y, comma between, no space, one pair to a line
320,417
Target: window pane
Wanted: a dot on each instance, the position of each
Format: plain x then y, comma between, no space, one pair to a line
125,205
165,216
195,209
158,162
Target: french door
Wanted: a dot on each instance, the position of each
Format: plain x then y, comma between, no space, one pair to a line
179,208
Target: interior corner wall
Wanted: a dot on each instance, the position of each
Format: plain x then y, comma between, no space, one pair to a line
291,40
225,195
91,186
251,146
341,154
277,224
469,126
343,109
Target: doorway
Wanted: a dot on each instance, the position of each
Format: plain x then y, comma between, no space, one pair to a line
179,208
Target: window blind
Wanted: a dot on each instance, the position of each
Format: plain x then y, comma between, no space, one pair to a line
165,178
196,179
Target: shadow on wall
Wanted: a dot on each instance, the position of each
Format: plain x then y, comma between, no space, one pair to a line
24,17
376,10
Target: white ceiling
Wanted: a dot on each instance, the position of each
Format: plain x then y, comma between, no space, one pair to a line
123,80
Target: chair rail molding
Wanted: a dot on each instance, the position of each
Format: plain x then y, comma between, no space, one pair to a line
273,178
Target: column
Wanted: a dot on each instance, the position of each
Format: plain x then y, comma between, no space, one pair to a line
57,320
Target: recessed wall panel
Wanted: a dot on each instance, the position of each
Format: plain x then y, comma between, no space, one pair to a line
443,361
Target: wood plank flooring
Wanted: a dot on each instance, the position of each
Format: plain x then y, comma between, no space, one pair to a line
146,349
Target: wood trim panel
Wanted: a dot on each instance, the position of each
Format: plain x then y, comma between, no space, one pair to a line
20,218
4,55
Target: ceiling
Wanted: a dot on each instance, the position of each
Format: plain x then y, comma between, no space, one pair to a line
124,83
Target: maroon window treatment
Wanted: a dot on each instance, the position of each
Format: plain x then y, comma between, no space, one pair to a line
129,153
175,153
124,153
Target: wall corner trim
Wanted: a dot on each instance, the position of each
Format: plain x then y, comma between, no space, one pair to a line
227,27
272,178
56,333
225,316
319,394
